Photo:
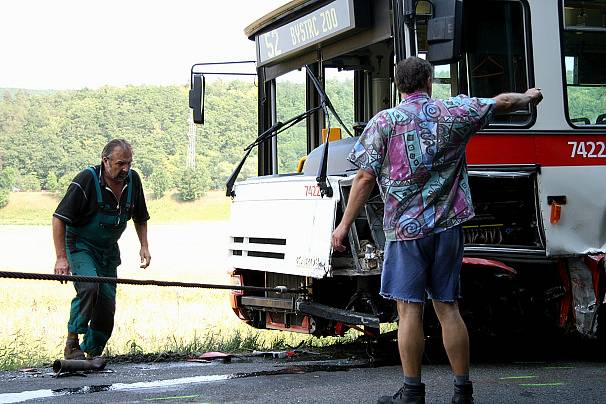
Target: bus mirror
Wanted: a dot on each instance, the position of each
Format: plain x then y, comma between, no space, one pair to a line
444,31
196,97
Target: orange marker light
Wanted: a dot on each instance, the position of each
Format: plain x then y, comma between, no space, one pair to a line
335,134
556,212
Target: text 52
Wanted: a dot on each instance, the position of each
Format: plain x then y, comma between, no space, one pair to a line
588,149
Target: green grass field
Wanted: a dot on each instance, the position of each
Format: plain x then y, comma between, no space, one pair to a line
36,208
149,320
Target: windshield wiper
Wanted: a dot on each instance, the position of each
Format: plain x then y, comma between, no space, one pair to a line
321,178
324,100
325,105
268,134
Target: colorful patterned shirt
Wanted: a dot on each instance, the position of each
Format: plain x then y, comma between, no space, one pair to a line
417,152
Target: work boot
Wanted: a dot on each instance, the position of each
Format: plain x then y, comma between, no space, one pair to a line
72,349
408,394
463,394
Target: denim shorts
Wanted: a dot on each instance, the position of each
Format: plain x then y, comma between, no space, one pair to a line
430,264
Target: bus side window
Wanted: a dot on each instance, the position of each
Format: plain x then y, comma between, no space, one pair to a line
584,50
441,87
496,53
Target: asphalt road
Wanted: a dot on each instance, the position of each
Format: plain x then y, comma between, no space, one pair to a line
308,378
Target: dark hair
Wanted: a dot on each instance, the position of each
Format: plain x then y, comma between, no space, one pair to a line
412,74
109,147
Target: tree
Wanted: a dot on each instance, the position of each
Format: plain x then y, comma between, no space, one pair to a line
61,132
29,182
4,196
64,181
52,183
160,182
193,184
5,186
8,178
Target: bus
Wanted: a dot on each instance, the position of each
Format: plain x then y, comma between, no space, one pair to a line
534,252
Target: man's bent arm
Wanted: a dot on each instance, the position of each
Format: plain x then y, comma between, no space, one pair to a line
508,102
141,229
363,184
61,265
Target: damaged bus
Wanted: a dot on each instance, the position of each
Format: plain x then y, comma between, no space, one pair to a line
534,252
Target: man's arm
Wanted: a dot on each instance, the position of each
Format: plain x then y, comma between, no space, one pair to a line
363,184
61,265
141,229
508,102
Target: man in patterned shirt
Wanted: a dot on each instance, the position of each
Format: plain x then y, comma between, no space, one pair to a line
416,153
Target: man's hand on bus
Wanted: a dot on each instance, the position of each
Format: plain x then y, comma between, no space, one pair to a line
535,95
339,236
509,102
362,185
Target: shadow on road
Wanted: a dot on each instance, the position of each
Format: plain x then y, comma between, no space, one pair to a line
518,349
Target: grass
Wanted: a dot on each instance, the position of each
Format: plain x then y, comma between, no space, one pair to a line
149,320
29,208
213,206
36,208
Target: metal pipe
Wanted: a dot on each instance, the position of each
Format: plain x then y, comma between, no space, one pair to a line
71,365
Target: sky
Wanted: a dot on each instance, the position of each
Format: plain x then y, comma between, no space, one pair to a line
73,44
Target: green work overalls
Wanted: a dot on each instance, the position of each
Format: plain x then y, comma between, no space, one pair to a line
92,250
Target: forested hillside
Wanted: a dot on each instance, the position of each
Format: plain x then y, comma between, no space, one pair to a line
46,137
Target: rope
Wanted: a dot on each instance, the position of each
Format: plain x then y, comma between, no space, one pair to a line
101,279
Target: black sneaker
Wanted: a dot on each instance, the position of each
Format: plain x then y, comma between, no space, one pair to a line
409,394
463,394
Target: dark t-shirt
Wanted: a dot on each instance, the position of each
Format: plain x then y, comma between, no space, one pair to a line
79,204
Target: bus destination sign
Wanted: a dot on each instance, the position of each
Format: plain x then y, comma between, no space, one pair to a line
325,22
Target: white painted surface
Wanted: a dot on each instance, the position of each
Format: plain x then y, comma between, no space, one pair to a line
582,226
547,59
287,208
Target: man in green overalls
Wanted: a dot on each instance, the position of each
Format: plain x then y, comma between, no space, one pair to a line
86,227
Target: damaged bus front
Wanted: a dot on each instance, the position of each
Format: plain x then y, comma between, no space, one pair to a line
533,252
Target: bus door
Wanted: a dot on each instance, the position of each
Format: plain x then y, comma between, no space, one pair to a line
557,150
281,223
574,159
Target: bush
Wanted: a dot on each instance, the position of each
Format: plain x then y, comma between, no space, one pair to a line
4,196
220,174
29,182
193,184
159,182
8,177
64,182
52,183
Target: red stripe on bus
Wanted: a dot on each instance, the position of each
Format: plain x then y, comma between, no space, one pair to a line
546,150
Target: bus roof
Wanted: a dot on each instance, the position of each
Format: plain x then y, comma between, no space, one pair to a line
252,29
